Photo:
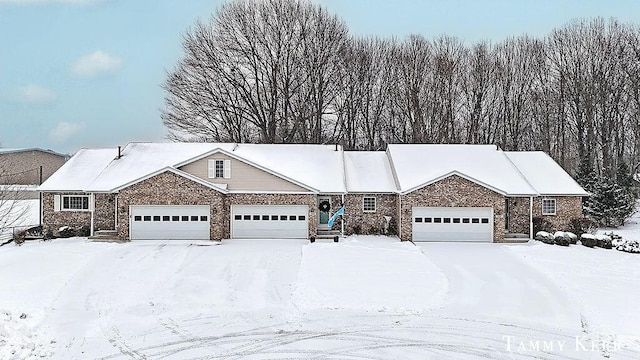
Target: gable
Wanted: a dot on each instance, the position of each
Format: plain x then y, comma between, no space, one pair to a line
244,177
456,178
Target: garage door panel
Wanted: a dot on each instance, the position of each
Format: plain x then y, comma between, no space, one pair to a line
269,221
170,222
452,224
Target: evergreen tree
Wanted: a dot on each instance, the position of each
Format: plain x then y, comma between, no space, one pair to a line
610,203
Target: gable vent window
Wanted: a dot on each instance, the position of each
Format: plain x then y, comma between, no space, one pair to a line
548,206
219,169
369,204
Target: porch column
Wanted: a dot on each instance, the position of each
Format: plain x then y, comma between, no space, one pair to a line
342,222
530,217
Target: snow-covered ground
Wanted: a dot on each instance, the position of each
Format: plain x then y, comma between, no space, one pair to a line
363,298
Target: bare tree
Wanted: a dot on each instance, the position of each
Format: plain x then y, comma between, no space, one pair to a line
258,71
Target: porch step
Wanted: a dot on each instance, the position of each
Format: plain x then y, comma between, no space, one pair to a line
105,236
516,236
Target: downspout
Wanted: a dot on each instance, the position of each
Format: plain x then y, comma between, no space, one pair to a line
342,222
93,209
531,217
400,216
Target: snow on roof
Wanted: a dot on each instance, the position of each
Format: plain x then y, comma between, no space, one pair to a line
80,170
368,171
544,174
17,150
317,166
420,164
140,159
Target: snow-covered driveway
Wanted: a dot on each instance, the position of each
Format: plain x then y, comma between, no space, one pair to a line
362,298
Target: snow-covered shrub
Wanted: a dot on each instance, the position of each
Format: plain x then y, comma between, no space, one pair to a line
541,224
66,232
561,238
573,238
603,241
582,225
630,246
545,237
588,240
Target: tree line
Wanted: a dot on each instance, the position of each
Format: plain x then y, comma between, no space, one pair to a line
280,71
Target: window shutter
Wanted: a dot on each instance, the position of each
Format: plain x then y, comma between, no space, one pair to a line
212,169
91,202
56,202
227,169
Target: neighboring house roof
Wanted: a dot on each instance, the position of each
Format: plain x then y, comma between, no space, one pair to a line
368,171
417,165
19,150
544,174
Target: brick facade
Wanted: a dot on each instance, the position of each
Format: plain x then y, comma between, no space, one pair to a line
567,208
53,220
170,189
359,222
453,191
518,213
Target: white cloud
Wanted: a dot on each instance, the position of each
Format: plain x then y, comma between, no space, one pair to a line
64,130
94,64
30,2
33,94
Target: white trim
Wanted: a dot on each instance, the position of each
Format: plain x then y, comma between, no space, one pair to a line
270,192
531,217
375,204
234,156
555,206
455,172
89,203
226,169
56,202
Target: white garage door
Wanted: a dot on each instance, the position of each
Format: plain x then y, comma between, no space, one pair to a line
452,224
269,221
184,222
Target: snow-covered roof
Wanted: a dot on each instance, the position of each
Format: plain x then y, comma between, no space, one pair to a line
417,165
544,174
79,171
317,167
368,171
326,168
18,150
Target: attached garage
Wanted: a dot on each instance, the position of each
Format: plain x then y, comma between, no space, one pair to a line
452,224
269,221
175,222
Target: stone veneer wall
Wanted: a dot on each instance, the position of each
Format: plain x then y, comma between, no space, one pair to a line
518,215
53,220
369,222
104,217
278,199
567,208
170,189
453,191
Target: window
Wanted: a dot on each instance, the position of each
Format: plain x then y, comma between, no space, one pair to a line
274,217
301,217
427,220
485,220
204,218
283,217
437,220
456,220
147,218
292,217
465,220
75,202
175,218
137,218
256,217
475,221
219,168
194,217
369,204
246,217
185,218
418,220
548,206
237,217
166,218
265,217
447,220
156,218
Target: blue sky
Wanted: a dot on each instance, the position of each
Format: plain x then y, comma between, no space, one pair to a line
87,73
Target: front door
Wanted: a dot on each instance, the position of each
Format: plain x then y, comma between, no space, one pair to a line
324,209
